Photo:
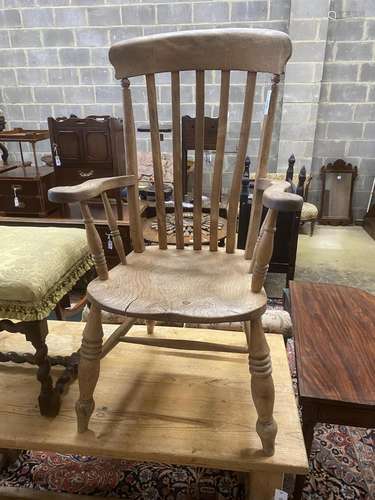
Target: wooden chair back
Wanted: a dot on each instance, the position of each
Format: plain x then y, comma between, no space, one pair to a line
251,51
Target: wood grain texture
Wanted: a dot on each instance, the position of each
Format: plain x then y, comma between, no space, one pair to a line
131,167
219,158
195,286
177,157
262,485
156,159
334,329
198,163
89,189
276,197
223,49
234,195
142,413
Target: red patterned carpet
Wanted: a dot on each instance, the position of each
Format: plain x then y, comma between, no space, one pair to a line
342,467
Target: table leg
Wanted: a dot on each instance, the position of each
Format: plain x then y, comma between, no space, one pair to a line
308,424
49,399
7,457
262,485
34,152
21,152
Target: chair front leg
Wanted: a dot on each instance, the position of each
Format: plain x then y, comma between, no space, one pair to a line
89,367
262,388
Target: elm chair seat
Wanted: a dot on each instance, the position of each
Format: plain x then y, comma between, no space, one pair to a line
177,285
39,265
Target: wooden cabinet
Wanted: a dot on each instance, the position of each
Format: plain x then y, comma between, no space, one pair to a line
85,148
23,191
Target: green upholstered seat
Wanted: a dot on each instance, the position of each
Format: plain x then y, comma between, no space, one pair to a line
38,266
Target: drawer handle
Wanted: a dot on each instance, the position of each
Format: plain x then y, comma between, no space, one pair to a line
82,173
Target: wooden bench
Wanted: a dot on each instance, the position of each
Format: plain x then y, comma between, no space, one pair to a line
155,404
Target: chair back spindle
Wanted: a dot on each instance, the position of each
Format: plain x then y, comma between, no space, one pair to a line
261,170
136,233
198,164
177,159
219,159
235,190
156,159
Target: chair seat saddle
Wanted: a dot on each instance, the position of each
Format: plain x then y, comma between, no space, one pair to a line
190,285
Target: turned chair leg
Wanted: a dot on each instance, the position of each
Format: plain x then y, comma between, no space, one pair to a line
150,326
89,367
262,388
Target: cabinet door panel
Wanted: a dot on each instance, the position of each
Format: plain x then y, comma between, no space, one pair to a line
97,146
68,145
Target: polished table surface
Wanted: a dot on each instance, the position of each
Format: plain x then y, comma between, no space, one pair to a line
334,333
334,330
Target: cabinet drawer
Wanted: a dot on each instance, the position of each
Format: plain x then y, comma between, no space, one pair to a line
32,205
26,188
72,176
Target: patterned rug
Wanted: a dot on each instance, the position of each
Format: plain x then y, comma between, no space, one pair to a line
342,467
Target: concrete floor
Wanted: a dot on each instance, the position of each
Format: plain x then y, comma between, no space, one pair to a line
343,255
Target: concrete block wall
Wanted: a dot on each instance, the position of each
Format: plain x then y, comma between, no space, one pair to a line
54,61
346,112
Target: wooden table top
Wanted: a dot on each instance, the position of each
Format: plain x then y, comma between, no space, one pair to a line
23,135
334,331
163,405
73,217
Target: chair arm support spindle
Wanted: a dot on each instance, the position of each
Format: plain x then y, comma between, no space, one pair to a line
94,242
264,249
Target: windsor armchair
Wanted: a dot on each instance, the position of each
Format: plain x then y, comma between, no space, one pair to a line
195,284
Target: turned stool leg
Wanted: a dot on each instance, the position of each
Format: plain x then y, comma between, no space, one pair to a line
49,399
89,367
150,326
262,388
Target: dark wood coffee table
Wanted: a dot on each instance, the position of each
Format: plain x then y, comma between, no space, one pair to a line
334,333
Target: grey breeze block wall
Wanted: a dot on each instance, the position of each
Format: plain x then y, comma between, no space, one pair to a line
54,61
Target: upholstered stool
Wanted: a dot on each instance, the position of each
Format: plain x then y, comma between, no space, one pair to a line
309,213
38,267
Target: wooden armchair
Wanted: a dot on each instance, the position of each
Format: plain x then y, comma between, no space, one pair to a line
190,284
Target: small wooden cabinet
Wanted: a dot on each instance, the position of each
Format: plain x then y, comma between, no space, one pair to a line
86,148
23,191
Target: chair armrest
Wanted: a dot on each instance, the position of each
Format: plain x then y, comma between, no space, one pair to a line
89,189
275,196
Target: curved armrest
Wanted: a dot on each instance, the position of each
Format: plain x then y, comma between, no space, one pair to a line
89,189
275,196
